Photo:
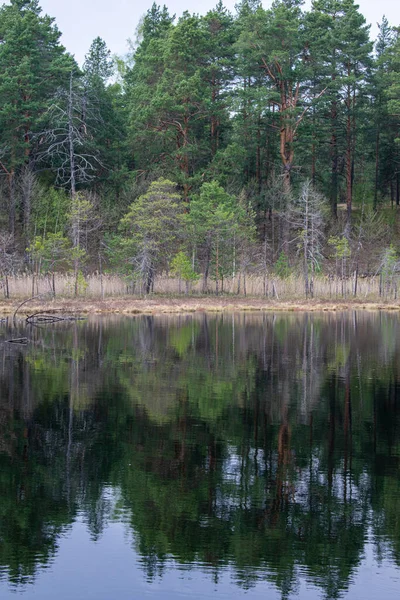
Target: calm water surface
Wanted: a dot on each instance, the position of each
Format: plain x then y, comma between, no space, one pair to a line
234,456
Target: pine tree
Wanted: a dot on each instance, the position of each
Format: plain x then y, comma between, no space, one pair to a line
150,230
104,115
339,40
140,83
98,65
383,124
393,107
276,36
218,73
33,64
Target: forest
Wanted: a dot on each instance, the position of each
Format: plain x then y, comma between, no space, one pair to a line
223,148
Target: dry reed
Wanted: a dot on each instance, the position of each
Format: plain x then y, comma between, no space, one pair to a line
288,289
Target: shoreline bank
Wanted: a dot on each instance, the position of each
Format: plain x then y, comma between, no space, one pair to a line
180,305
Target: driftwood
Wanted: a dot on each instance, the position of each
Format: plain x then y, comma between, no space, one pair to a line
43,317
26,302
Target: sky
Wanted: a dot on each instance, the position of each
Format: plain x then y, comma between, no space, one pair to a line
115,21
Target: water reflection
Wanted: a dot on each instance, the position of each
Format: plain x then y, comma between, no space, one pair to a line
266,444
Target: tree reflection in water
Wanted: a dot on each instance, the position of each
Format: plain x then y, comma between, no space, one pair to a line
266,443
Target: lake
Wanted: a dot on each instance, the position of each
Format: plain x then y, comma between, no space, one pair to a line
229,456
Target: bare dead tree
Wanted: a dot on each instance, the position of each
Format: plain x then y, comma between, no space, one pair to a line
143,267
389,272
307,217
4,202
84,219
28,188
10,176
67,142
277,201
369,235
8,257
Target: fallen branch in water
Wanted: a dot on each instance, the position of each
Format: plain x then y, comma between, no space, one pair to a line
23,340
29,300
43,317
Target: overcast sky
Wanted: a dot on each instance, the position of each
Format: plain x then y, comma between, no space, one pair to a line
116,20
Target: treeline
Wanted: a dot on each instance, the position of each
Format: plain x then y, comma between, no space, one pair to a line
264,141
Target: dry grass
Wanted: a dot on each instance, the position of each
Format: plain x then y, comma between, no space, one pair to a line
284,289
21,286
179,305
283,295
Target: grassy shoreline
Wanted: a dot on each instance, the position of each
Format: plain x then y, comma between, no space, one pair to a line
191,304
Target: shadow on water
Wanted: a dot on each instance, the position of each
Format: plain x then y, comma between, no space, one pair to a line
269,445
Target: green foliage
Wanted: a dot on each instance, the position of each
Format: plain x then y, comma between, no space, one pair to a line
150,229
80,216
390,270
342,251
98,66
48,253
393,77
341,246
390,259
181,267
33,65
282,266
50,211
79,286
213,212
237,110
80,212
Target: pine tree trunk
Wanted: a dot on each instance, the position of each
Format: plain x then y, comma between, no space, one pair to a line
206,270
392,193
334,152
258,157
149,279
101,276
217,269
376,168
71,140
349,193
12,202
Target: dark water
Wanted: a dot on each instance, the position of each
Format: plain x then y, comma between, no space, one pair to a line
197,457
